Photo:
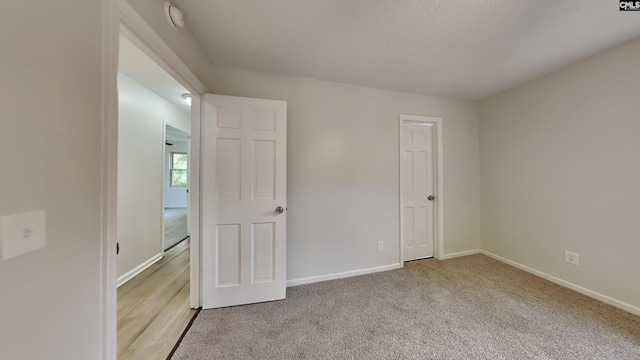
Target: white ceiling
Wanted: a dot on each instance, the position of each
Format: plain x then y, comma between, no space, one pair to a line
462,48
174,135
137,65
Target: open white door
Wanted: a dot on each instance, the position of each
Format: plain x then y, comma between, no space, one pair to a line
244,200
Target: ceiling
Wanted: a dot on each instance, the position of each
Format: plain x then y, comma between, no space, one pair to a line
467,49
139,67
174,135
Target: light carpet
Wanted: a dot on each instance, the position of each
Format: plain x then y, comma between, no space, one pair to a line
175,226
466,308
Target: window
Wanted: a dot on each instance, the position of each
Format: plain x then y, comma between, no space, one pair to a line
178,169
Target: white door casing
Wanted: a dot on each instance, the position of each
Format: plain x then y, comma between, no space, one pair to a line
243,183
417,189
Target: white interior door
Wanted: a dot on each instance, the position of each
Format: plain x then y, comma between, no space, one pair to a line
417,177
244,200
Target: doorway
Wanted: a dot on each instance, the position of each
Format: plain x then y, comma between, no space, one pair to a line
175,182
122,20
420,187
153,276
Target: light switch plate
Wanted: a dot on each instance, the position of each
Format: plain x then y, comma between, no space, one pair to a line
22,233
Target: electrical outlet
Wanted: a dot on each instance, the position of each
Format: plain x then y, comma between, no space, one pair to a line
571,257
380,245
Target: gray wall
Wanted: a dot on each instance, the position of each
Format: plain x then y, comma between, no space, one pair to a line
50,138
560,171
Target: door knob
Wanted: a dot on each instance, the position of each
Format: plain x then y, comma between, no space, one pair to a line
431,197
279,210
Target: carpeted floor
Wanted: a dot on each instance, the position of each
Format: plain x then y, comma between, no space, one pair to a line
466,308
175,227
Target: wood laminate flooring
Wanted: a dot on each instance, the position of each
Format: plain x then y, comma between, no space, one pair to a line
153,307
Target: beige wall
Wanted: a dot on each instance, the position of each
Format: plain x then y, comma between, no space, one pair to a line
560,171
50,138
140,171
343,169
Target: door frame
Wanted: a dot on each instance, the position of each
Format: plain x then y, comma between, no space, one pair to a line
438,243
119,17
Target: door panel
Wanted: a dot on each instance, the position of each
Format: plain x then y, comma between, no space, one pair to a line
229,171
264,170
243,182
417,186
228,249
263,242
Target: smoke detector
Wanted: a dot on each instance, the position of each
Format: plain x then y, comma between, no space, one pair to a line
174,15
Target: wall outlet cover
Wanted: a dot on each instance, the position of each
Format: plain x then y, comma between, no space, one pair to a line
571,257
22,233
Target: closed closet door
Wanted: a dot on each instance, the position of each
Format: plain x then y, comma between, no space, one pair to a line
417,178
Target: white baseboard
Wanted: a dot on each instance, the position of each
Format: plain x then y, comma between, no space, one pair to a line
590,293
459,254
138,269
341,275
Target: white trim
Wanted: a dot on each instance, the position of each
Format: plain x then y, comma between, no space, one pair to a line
195,245
341,275
163,184
440,185
109,178
590,293
439,181
142,35
138,269
460,254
